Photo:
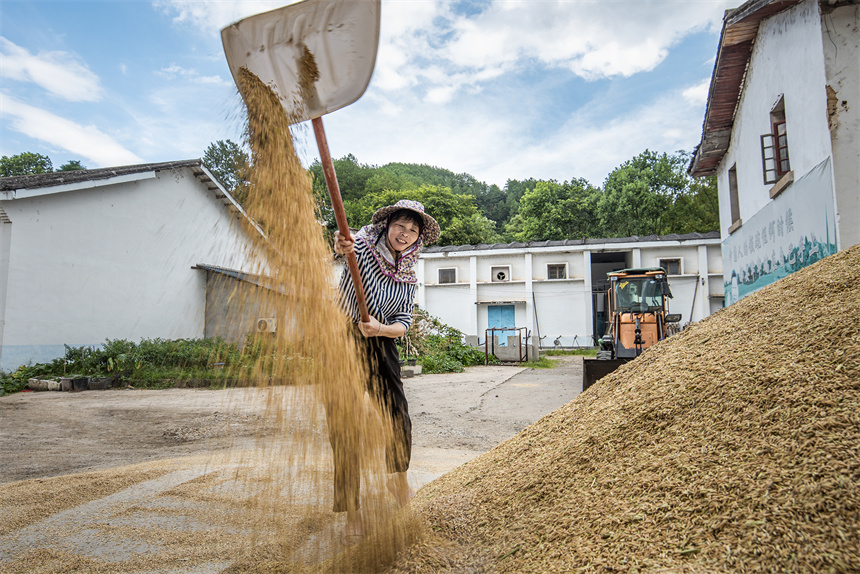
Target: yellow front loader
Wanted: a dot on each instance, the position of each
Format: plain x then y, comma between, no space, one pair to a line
638,318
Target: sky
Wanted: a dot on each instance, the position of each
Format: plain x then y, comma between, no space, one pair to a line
498,89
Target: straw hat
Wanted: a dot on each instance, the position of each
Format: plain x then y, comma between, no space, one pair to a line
431,228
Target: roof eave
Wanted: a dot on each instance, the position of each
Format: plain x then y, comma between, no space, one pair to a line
740,28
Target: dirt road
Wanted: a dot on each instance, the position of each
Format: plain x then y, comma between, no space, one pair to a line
51,433
124,449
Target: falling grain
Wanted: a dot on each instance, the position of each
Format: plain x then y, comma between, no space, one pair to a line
292,478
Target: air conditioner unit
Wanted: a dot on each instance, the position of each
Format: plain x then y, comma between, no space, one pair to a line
267,325
500,274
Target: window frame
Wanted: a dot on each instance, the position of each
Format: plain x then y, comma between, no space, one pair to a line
562,266
734,201
775,157
439,275
679,260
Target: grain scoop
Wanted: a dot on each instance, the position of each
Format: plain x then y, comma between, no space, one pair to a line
317,56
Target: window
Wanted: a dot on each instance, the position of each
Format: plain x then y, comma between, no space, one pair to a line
774,145
733,198
448,275
672,266
500,273
556,271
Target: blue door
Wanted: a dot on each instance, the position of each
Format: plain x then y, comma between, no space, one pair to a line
501,316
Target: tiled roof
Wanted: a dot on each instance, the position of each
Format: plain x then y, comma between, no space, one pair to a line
45,181
41,180
740,27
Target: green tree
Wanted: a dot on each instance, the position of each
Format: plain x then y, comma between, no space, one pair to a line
698,208
72,165
491,203
638,194
26,163
456,213
352,178
386,180
554,211
470,230
653,194
231,165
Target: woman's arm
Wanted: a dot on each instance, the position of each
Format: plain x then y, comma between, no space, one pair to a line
374,328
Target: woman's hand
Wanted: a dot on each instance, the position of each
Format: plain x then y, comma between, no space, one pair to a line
372,328
343,246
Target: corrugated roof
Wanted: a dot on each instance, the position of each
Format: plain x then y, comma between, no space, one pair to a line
740,27
573,242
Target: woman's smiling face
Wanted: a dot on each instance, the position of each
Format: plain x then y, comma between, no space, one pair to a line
402,234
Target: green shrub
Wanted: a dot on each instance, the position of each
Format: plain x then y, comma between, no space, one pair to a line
152,363
437,347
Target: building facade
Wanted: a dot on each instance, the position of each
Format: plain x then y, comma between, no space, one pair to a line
782,135
556,290
114,253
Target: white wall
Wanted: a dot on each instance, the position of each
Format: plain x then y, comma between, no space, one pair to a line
787,59
558,307
448,303
561,311
113,262
798,226
841,43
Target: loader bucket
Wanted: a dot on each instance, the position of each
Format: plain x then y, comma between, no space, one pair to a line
595,369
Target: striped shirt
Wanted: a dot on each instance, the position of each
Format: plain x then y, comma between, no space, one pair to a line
388,300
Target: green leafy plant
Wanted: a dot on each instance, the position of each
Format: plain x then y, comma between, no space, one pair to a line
437,347
150,363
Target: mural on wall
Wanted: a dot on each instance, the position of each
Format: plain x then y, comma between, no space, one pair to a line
794,230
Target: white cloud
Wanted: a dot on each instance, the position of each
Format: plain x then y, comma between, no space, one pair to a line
61,73
583,148
192,75
697,95
521,56
212,16
496,147
592,39
84,141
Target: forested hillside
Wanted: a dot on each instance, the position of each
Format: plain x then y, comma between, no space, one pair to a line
649,194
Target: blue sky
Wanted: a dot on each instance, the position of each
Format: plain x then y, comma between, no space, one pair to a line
499,89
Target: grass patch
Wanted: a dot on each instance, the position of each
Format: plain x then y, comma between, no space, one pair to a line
542,363
577,352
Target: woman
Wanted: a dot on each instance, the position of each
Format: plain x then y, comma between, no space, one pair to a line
386,251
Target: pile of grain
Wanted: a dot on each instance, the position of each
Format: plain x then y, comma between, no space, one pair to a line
731,447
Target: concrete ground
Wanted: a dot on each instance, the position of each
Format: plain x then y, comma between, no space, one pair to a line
114,480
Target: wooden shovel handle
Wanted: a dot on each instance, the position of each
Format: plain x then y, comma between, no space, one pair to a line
339,214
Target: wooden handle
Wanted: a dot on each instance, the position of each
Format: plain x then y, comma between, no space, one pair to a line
339,214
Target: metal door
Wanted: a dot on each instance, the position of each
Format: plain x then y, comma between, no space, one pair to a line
501,316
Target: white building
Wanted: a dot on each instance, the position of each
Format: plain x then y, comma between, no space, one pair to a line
782,135
115,253
556,289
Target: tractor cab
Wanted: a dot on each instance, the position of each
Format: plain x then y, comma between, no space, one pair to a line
638,307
